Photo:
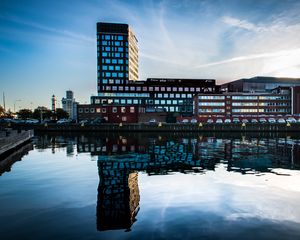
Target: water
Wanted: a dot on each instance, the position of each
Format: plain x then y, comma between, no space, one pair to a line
152,186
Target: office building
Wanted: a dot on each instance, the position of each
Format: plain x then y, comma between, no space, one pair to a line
277,102
70,105
117,55
158,94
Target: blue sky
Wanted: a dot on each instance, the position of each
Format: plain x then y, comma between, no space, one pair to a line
48,47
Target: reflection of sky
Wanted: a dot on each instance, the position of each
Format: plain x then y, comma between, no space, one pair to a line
57,195
48,47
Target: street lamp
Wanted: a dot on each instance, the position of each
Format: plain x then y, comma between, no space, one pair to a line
18,100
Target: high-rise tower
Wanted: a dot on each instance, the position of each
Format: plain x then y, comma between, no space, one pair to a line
117,55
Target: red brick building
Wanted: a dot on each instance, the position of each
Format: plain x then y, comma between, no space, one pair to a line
111,113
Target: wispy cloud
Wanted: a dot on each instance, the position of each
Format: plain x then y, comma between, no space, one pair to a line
252,57
235,22
35,25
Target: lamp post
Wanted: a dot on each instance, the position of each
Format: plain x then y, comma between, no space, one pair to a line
18,100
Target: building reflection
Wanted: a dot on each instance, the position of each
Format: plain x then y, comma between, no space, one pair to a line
121,157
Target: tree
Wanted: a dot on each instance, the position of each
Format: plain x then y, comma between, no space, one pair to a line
25,114
60,113
42,112
2,112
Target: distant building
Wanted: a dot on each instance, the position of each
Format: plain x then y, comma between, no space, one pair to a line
70,105
53,103
259,84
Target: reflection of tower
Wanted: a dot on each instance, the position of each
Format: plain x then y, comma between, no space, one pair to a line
118,196
53,103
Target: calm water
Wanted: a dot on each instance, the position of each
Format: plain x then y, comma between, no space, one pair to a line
152,186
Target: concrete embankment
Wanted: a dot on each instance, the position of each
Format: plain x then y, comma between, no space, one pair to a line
12,139
165,127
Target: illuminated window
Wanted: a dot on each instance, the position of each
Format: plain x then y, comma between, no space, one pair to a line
114,110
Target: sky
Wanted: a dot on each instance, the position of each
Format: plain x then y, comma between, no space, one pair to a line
48,47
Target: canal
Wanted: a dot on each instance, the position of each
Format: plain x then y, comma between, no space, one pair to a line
152,186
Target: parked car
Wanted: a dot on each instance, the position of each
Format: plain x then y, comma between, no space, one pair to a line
219,120
227,120
262,120
245,120
235,120
254,120
291,120
32,121
298,120
194,120
63,121
271,120
210,120
281,120
85,121
152,121
185,121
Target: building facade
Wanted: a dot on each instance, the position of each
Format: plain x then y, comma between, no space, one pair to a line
157,94
117,55
109,113
229,104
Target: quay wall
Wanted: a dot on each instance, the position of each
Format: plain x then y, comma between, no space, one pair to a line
163,127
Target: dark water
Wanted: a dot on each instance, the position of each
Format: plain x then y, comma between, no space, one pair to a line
152,186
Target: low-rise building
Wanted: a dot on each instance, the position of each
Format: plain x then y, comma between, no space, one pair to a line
109,113
277,102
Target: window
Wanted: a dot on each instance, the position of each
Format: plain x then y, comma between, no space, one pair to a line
114,109
107,48
120,75
104,67
107,74
123,101
104,54
104,43
120,49
117,54
92,110
123,109
80,110
124,119
120,61
114,61
107,60
114,74
98,110
132,109
169,89
120,38
86,110
166,95
156,88
111,68
107,37
117,43
104,81
117,68
129,101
